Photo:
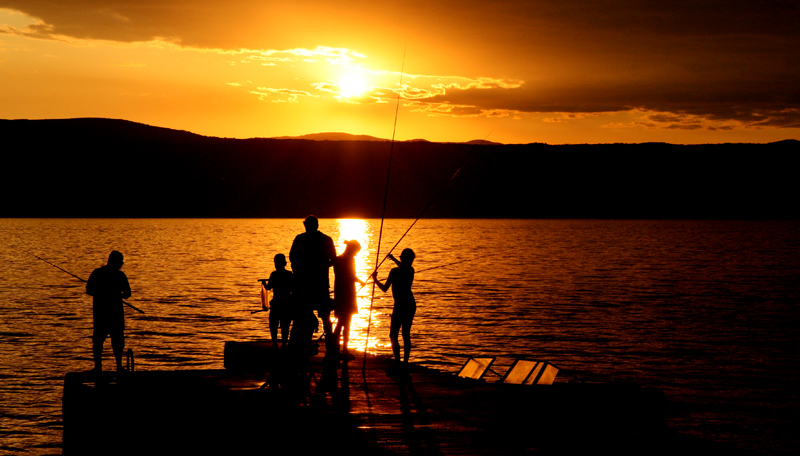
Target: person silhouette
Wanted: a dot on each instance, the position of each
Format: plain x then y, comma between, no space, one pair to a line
108,286
400,280
311,255
280,311
344,295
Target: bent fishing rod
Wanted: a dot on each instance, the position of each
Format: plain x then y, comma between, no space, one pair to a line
82,280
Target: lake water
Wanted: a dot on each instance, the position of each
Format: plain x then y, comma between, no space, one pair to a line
705,310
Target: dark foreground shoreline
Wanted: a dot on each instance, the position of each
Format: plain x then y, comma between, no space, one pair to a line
360,412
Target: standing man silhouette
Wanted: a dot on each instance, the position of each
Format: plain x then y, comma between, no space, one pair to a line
311,255
108,286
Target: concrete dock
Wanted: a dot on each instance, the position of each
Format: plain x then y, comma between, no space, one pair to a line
259,406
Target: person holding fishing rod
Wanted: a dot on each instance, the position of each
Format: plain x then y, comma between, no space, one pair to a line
108,286
400,280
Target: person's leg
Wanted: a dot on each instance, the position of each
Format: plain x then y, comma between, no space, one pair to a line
302,333
286,323
406,341
97,350
337,333
394,330
408,319
118,345
325,316
274,322
346,333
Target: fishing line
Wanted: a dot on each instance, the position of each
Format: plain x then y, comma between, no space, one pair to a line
426,208
421,214
79,278
415,273
383,214
440,266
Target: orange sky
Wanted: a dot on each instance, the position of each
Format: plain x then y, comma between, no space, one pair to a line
515,71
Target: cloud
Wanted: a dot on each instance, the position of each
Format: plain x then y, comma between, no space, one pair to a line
748,105
695,64
280,95
370,96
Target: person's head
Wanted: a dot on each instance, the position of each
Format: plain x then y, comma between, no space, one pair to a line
115,259
353,247
280,261
311,223
407,257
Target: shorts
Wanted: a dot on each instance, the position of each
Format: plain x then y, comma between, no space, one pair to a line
108,321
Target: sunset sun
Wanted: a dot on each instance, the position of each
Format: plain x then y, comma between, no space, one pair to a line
352,85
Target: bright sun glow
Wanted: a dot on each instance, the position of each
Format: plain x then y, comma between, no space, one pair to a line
361,231
352,85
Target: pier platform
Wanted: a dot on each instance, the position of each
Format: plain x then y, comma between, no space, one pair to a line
263,403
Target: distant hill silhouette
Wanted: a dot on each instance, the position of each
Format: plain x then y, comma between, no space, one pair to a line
333,137
115,168
349,137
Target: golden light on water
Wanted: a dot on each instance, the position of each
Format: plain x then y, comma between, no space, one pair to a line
359,230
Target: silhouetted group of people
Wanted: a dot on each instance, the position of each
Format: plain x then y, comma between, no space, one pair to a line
305,290
296,296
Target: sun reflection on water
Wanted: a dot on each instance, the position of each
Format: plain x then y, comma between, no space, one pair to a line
361,231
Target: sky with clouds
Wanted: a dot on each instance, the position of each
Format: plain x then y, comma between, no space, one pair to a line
518,71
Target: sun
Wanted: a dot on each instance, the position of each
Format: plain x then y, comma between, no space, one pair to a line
352,85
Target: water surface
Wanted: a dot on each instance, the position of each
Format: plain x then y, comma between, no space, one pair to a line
705,310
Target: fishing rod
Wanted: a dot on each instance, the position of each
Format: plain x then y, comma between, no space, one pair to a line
440,266
435,197
383,213
81,279
422,213
422,270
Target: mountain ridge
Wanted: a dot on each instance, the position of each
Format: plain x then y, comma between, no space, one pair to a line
114,168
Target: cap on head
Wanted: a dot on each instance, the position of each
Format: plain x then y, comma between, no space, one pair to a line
311,223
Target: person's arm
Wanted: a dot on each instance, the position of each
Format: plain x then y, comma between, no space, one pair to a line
126,287
391,257
330,251
266,282
90,285
294,251
383,286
